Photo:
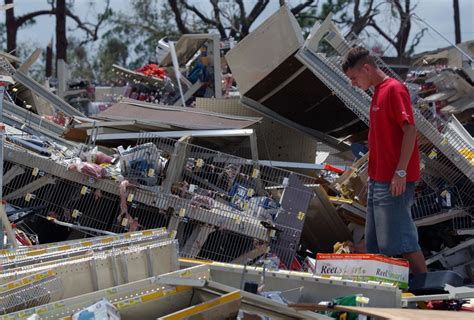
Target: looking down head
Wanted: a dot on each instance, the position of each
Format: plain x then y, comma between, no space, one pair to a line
360,67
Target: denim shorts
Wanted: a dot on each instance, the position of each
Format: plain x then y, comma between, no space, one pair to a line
389,227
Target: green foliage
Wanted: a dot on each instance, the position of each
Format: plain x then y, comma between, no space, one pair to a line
78,61
141,29
3,37
112,51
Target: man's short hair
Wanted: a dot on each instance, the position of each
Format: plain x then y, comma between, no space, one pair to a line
357,56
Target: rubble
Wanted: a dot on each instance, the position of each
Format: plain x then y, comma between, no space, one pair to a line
149,173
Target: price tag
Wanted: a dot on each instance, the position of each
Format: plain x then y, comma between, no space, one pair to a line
300,215
130,197
433,154
84,190
124,222
238,220
28,197
151,172
192,187
255,173
199,163
272,233
173,234
75,213
35,172
250,192
182,212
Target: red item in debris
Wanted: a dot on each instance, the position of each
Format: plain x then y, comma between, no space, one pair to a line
152,70
91,169
131,223
202,201
58,118
333,168
296,265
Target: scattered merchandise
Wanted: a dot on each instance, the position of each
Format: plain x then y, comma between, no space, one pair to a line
364,267
102,310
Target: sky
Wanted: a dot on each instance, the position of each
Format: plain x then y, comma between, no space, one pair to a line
438,13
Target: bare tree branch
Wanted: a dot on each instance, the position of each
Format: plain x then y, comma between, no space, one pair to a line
382,33
177,16
92,30
302,6
198,13
241,5
21,20
257,9
217,17
417,39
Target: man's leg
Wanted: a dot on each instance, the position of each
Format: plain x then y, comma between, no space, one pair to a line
371,244
417,261
396,231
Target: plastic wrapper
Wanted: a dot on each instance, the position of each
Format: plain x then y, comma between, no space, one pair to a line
143,164
124,218
90,169
203,202
102,310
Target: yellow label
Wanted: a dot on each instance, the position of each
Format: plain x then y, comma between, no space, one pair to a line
151,172
35,172
173,234
444,141
86,244
124,222
250,192
245,205
28,197
199,163
107,240
301,215
238,220
182,212
41,310
433,154
272,233
84,190
75,213
255,173
111,291
130,197
122,304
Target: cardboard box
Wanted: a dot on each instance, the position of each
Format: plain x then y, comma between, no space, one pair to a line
363,267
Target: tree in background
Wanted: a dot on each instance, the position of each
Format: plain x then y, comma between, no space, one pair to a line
13,24
390,19
231,18
400,13
3,37
79,60
140,30
112,51
61,10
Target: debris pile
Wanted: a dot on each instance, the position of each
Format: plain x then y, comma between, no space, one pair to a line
167,164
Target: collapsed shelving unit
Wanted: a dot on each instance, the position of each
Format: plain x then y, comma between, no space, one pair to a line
299,74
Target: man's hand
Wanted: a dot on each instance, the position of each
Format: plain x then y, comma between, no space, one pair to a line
398,185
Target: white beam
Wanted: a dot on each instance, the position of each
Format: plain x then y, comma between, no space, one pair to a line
177,134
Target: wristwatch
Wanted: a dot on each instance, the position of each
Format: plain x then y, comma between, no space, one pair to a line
401,173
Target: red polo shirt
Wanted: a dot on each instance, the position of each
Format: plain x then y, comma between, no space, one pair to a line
390,109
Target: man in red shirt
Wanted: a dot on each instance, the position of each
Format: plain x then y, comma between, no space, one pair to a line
394,164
